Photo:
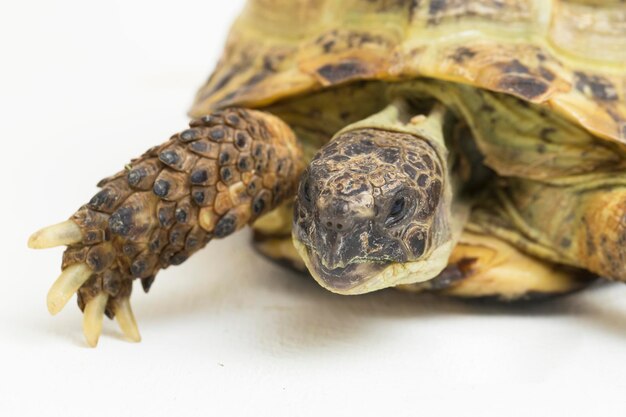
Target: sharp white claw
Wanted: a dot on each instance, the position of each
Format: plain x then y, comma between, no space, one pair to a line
126,320
92,319
66,285
64,233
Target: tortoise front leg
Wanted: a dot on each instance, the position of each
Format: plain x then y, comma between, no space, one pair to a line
206,182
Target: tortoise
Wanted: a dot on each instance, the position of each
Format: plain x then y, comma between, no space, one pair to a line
468,149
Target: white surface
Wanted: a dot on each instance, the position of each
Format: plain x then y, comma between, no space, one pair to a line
84,86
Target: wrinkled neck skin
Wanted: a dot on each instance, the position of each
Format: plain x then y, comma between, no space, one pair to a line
445,221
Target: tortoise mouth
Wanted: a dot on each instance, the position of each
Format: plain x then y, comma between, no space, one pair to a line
356,277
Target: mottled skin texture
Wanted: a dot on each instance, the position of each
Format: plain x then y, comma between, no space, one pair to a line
206,182
366,200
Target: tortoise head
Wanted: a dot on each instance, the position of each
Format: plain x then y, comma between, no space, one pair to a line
372,212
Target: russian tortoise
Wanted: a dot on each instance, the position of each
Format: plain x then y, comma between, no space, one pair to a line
473,149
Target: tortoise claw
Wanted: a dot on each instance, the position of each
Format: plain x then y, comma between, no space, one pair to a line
76,276
70,280
60,234
126,320
92,320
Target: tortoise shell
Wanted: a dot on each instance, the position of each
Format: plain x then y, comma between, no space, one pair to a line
568,55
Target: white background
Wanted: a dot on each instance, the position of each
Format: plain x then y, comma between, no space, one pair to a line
87,85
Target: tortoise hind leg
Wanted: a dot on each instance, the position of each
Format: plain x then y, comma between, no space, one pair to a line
485,267
577,220
208,181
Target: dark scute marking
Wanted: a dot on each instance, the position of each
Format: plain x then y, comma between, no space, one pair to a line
121,221
102,198
189,135
137,268
244,165
541,148
225,226
217,134
523,86
327,46
413,6
417,243
221,82
461,54
390,155
257,78
241,140
179,258
227,98
155,244
232,119
224,158
515,67
199,197
135,176
208,120
422,180
546,74
226,174
199,176
434,194
164,219
409,170
487,108
389,248
199,146
546,132
428,161
600,87
95,261
259,205
181,215
358,148
175,237
436,6
566,242
169,157
191,243
338,158
336,73
161,188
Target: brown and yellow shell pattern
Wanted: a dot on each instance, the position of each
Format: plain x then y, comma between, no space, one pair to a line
569,55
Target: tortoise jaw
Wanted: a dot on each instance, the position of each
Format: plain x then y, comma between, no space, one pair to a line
353,278
368,276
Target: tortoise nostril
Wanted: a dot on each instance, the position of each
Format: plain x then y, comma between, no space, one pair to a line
339,226
329,224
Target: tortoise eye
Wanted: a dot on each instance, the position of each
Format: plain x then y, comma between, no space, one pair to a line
397,211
